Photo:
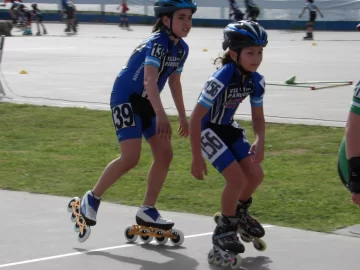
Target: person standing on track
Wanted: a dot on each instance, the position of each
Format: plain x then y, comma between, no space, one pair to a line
313,9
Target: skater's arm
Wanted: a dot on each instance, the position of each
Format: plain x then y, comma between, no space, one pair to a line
195,129
151,74
319,12
258,122
258,119
302,12
198,167
176,92
196,117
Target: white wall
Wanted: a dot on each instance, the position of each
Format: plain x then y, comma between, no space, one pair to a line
343,10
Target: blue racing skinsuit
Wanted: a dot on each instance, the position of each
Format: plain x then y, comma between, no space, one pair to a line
133,115
222,139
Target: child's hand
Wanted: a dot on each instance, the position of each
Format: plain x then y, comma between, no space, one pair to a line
163,127
184,127
198,168
257,152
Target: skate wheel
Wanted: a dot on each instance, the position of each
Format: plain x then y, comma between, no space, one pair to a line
146,238
69,206
85,235
161,240
130,237
245,237
259,244
179,237
211,256
217,217
76,228
236,263
226,263
218,260
73,217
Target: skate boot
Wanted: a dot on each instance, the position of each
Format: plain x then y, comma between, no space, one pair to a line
250,229
74,29
45,32
150,224
83,213
247,223
38,33
89,207
67,29
150,217
226,244
309,36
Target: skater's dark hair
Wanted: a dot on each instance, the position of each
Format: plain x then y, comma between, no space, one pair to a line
310,1
224,59
159,25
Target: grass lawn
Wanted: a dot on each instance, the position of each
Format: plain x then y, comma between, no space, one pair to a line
62,151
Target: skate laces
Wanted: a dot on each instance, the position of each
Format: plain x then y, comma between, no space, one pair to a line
245,217
243,214
252,220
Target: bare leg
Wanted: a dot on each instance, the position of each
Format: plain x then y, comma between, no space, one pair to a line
162,153
235,183
130,155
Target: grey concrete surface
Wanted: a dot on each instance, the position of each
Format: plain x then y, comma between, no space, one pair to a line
38,235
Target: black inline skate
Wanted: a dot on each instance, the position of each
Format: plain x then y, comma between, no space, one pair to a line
250,229
226,244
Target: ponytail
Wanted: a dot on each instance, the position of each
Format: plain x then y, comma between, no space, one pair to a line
223,60
158,25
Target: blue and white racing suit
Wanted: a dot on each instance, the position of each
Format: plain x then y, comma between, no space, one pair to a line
222,139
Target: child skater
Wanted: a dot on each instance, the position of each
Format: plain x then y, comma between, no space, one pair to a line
137,109
216,137
312,17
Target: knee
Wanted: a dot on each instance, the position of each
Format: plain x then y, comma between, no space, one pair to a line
255,178
259,177
165,156
130,161
236,183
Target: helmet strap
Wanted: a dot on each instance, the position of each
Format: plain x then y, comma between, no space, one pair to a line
242,70
171,15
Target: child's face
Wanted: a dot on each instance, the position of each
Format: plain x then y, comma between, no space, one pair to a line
181,23
251,58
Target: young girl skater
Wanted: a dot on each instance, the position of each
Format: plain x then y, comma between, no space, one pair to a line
137,109
216,137
312,17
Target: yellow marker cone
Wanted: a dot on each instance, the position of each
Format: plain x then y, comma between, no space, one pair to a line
23,72
314,44
205,50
